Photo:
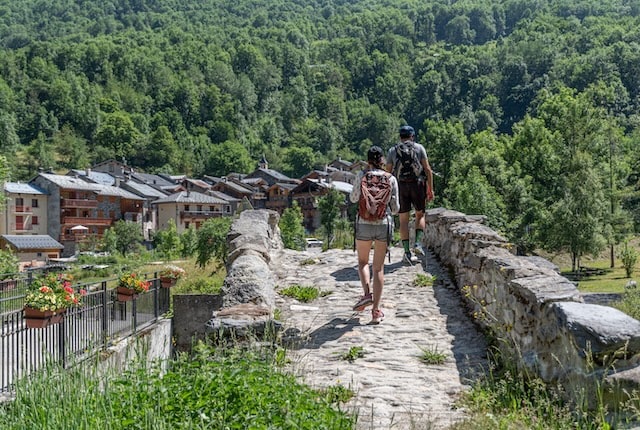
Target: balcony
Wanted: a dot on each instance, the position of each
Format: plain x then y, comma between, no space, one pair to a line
86,221
200,214
78,203
23,209
22,226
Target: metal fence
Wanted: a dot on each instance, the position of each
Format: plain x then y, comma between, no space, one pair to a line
100,322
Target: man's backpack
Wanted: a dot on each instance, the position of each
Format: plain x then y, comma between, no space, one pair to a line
408,166
375,193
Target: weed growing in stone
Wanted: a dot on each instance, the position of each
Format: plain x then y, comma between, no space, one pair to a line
302,293
354,353
308,261
424,280
432,355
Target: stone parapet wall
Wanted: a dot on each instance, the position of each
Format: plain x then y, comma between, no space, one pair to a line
537,316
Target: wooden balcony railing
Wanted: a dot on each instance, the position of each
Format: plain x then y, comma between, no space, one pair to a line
78,203
200,214
23,209
86,221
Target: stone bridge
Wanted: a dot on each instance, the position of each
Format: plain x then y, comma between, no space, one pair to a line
536,317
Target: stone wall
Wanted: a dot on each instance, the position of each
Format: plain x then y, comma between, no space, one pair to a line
248,292
536,316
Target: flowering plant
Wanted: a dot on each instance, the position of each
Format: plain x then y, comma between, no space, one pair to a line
133,282
172,272
53,293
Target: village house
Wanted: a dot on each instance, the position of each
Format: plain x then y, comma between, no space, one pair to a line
25,209
32,250
307,194
81,211
189,208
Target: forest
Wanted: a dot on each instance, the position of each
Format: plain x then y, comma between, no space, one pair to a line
529,109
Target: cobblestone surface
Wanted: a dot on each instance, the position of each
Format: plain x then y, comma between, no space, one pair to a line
394,388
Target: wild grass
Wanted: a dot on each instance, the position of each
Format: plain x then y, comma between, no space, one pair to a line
424,280
353,354
303,293
212,389
431,355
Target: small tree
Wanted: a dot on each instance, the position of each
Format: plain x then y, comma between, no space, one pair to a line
212,240
127,236
291,227
8,263
189,241
167,242
629,257
329,207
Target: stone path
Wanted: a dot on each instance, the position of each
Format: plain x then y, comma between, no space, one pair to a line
394,388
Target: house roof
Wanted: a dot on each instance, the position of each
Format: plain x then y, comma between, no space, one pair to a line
70,182
314,184
73,183
144,189
93,176
107,190
190,197
35,241
286,185
223,196
344,187
151,179
235,186
198,183
20,188
270,172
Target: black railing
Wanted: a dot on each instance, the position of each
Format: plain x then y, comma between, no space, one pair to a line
100,322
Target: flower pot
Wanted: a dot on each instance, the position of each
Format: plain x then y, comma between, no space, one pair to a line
167,282
35,318
126,294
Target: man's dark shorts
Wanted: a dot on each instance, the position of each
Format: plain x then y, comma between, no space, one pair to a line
411,194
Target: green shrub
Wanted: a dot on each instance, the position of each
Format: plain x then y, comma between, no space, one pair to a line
629,257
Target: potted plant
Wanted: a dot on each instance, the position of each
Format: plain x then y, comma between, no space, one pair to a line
130,285
48,299
170,275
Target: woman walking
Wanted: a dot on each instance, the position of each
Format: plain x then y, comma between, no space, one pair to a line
376,192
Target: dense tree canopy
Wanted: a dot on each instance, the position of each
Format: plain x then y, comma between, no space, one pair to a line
513,99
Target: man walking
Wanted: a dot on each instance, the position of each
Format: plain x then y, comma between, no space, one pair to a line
409,164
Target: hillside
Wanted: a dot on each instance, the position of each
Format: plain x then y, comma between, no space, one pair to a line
529,111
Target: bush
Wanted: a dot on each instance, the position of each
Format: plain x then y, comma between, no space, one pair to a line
629,257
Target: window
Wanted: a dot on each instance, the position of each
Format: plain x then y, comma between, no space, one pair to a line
19,201
186,224
34,220
186,208
34,203
199,208
212,209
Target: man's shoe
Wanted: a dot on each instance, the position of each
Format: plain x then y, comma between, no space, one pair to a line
408,259
419,250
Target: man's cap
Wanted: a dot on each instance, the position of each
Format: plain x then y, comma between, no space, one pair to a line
374,153
407,131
